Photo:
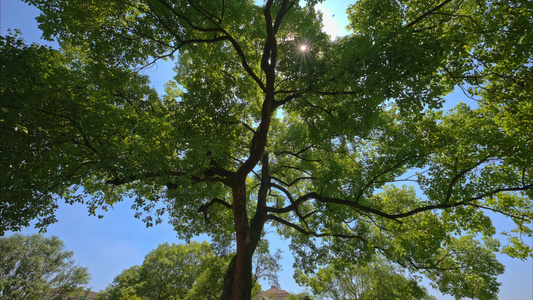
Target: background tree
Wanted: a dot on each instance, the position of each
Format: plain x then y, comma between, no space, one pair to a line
300,296
31,266
376,280
124,286
255,130
190,271
266,265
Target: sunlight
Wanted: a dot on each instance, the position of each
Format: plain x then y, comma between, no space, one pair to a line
303,51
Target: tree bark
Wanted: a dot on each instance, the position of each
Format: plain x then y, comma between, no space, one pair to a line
238,281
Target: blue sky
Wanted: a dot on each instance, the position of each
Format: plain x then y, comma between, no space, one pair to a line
118,241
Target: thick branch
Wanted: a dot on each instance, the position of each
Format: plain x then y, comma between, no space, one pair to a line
297,155
285,100
285,7
522,218
311,232
211,178
294,203
294,181
461,203
373,180
260,213
203,208
335,93
396,217
208,15
283,190
428,13
289,196
458,176
320,108
184,18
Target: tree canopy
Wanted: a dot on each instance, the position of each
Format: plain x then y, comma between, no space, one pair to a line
31,266
255,129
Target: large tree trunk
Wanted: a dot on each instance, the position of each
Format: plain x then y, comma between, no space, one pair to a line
238,281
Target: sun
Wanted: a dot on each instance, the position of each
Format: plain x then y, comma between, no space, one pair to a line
302,51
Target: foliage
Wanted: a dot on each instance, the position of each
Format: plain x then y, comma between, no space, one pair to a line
375,280
43,141
253,131
31,266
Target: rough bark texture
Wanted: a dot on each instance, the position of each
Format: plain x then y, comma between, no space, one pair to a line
238,281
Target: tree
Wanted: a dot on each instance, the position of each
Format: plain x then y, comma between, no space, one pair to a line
300,296
266,265
256,129
124,286
31,266
190,271
376,280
